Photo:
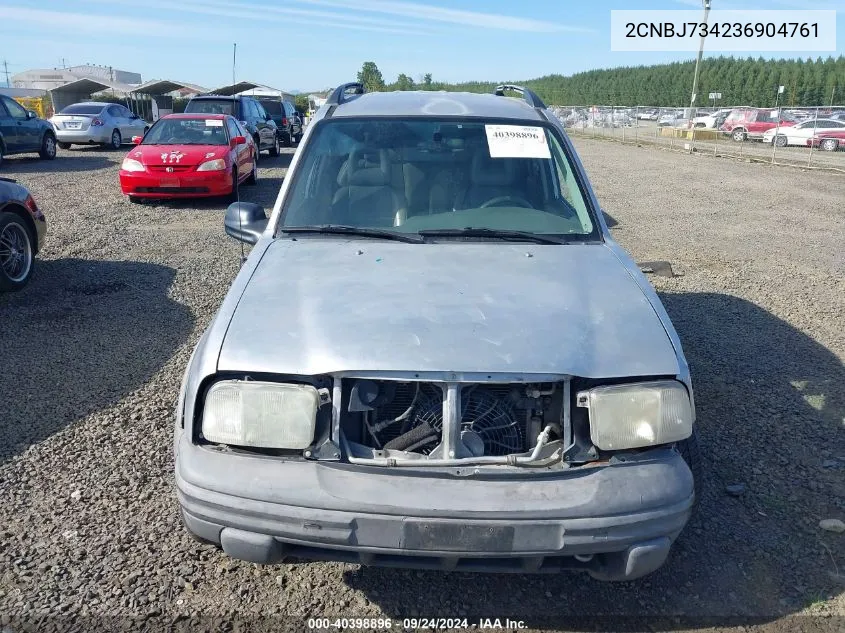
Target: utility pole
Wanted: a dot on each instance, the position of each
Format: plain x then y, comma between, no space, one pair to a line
698,60
6,72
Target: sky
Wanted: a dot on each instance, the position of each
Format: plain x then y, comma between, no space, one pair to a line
315,44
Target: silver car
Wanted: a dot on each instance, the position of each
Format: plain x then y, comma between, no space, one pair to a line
97,123
436,356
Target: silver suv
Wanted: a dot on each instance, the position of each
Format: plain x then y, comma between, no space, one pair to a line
436,356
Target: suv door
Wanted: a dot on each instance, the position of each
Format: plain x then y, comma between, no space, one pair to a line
27,131
266,132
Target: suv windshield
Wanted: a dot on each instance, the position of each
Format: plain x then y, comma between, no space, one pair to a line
211,106
418,175
186,132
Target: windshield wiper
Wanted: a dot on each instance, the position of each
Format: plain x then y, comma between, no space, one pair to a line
494,233
343,229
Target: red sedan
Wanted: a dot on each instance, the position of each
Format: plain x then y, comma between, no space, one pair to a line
189,155
829,140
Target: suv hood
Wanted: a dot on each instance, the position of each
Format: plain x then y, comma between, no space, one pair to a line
317,305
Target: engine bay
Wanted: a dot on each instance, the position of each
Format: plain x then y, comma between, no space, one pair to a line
449,421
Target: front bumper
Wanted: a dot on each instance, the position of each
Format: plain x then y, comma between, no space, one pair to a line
95,135
617,522
189,184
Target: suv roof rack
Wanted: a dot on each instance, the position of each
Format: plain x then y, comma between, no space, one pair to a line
530,96
338,95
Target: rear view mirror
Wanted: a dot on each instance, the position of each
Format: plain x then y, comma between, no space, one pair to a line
136,140
238,140
245,221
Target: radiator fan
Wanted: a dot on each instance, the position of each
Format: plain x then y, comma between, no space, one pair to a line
486,416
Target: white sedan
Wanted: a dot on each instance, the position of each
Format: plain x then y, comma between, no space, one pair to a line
800,133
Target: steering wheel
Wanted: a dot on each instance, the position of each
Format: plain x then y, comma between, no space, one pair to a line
499,199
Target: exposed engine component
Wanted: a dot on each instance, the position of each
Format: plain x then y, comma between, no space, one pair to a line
495,420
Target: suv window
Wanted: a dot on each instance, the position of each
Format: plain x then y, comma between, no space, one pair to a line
211,106
260,112
15,109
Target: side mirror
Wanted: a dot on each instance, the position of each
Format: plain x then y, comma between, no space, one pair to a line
31,115
245,221
136,140
238,140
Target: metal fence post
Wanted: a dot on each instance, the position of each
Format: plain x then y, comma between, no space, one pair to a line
637,125
812,144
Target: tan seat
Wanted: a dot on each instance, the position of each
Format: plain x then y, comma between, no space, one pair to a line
366,195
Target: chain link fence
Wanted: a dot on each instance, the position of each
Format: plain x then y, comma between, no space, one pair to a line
806,137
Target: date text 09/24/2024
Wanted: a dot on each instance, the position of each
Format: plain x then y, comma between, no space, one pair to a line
374,624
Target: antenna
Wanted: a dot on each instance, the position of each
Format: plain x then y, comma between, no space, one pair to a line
254,158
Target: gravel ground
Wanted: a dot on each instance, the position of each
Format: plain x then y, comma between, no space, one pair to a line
95,347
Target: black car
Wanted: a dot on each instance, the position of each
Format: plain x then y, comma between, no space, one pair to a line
286,118
23,131
22,231
248,111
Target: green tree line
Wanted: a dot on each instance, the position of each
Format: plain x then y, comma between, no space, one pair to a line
742,81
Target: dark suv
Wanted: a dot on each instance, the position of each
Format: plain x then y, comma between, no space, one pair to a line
248,111
286,118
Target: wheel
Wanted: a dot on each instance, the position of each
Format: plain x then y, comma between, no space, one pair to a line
298,138
253,176
116,140
17,254
287,141
48,147
274,151
829,144
738,135
780,141
135,199
65,145
233,195
691,453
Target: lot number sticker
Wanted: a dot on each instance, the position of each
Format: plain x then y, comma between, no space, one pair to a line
213,123
517,141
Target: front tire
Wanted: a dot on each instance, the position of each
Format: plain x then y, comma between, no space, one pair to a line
830,144
116,140
691,452
252,179
65,145
17,253
233,195
48,147
135,199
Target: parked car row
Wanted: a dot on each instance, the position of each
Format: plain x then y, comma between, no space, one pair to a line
804,128
270,122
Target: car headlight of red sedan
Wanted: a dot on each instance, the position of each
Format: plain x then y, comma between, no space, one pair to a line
130,164
218,164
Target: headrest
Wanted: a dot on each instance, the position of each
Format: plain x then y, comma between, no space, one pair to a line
365,168
490,172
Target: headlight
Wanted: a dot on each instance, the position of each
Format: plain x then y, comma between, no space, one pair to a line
636,415
261,414
218,164
130,164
